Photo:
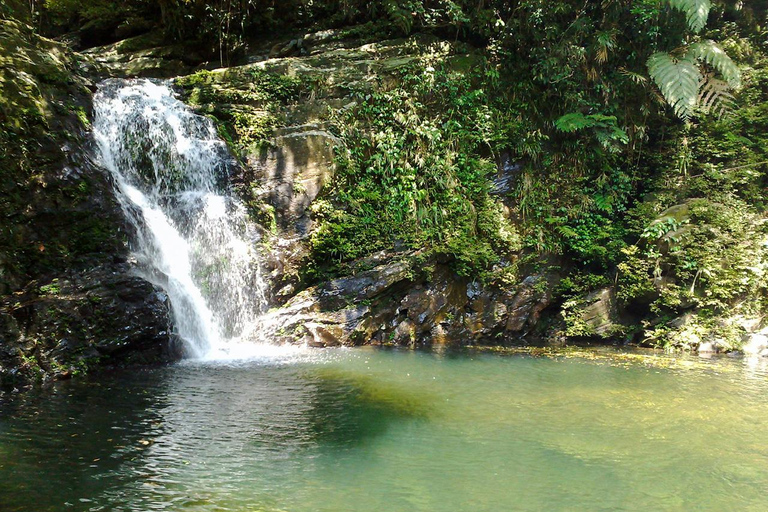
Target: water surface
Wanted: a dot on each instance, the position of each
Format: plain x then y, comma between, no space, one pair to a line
395,430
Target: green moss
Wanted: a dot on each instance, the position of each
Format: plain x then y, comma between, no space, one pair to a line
247,103
51,289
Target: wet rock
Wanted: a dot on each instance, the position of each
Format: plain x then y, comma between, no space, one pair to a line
292,48
601,313
143,56
756,344
710,347
323,335
104,316
506,177
68,299
364,285
392,303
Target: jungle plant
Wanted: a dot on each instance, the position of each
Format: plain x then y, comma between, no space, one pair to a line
682,75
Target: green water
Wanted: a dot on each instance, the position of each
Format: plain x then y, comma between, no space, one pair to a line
391,430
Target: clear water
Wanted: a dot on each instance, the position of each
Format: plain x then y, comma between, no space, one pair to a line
299,430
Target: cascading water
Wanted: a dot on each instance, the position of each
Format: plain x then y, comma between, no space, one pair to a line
192,238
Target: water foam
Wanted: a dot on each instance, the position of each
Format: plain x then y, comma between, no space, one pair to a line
192,237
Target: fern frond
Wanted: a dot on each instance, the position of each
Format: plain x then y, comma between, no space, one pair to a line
399,14
606,41
572,122
636,78
715,97
710,52
678,80
696,12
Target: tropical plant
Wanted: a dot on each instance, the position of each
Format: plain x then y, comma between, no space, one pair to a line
682,74
696,12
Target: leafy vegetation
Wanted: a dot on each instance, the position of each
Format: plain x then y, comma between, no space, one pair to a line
246,104
415,173
624,140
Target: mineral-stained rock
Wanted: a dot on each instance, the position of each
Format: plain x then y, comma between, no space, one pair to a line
291,174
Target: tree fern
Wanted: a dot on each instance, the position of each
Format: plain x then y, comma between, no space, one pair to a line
696,12
715,96
686,89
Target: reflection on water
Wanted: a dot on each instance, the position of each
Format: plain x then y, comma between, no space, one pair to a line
366,429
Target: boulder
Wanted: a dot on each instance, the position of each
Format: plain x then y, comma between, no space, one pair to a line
102,317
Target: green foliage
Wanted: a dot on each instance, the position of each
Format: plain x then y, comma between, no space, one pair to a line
696,12
51,289
607,132
413,173
635,275
678,79
247,103
566,96
679,75
683,85
712,54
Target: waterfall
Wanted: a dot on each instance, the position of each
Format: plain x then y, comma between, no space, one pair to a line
192,238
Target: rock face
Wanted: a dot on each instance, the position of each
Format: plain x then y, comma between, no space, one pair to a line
68,299
290,174
100,317
389,297
594,315
393,304
143,56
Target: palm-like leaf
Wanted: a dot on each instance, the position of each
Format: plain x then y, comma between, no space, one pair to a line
709,52
715,97
683,86
696,12
678,80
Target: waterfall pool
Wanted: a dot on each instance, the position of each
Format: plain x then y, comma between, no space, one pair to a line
343,430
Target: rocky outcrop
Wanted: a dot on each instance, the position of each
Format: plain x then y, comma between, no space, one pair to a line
394,303
68,299
143,56
75,323
595,315
290,174
385,297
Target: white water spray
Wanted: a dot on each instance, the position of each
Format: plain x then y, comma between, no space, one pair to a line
192,238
